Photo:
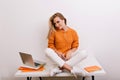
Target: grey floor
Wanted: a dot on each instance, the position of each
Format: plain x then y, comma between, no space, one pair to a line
59,78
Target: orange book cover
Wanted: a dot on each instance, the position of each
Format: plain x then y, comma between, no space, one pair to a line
24,69
92,68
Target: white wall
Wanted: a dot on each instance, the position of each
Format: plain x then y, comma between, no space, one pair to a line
24,27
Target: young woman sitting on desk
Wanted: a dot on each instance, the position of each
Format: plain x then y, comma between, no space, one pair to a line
63,45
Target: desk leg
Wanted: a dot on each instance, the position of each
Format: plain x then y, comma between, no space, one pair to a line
40,78
29,78
93,77
83,78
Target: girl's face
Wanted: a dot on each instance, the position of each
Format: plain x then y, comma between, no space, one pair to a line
59,23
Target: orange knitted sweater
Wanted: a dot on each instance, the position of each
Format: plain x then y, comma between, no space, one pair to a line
63,41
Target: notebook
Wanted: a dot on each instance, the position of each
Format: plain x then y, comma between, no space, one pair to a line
28,61
92,68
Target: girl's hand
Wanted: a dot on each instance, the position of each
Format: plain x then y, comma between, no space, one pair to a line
68,55
61,55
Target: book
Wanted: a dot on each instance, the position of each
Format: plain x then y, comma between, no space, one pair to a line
92,68
24,69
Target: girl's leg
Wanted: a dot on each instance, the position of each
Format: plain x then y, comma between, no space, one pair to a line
77,57
59,61
52,55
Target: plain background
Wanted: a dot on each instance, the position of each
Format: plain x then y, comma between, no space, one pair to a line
24,27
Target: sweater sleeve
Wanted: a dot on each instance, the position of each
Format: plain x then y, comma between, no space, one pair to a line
51,41
75,43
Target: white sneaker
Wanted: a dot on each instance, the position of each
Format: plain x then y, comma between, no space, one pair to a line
55,71
77,71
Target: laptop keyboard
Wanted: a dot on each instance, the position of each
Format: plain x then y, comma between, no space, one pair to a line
37,64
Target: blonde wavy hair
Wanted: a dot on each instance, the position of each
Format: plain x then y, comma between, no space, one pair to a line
51,22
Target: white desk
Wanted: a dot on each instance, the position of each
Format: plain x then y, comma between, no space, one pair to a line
89,61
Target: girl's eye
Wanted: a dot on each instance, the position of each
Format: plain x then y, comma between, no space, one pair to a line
57,21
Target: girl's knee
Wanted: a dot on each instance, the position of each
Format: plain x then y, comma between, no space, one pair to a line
48,51
83,53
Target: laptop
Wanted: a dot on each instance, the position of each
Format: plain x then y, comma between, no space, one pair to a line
29,62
